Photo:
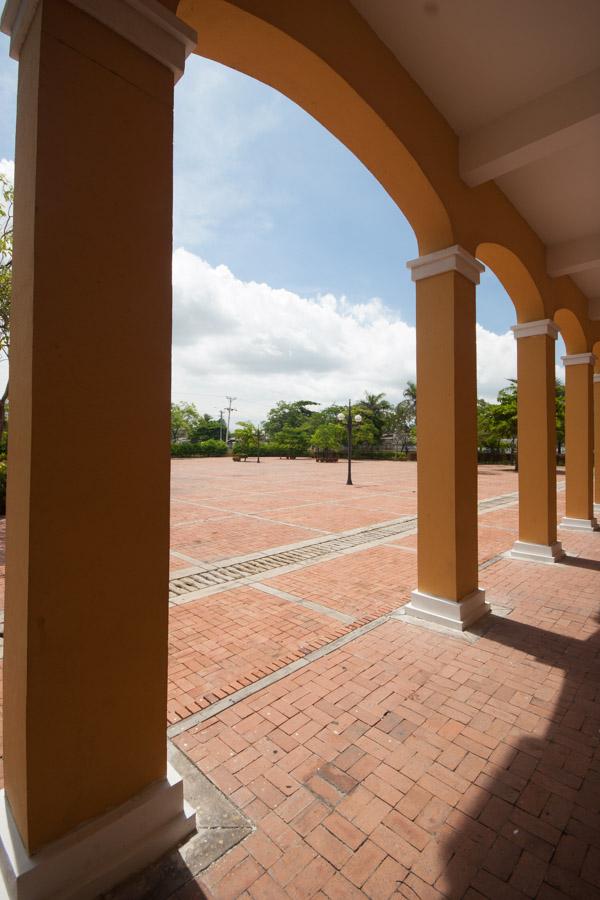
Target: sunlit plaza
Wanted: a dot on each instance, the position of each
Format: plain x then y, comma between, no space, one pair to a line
299,449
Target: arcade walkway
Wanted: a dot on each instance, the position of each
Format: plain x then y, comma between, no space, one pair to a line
492,164
401,761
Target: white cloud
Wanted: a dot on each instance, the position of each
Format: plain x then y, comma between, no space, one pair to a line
7,168
264,344
218,119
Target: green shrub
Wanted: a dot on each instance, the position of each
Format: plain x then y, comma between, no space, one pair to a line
378,454
2,486
211,447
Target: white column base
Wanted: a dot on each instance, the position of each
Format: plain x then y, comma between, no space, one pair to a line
572,524
596,509
99,854
540,553
454,614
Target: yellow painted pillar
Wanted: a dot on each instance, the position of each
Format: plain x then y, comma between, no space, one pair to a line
87,570
447,591
579,441
596,382
537,442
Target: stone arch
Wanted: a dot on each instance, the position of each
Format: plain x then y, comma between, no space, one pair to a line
516,280
572,331
301,61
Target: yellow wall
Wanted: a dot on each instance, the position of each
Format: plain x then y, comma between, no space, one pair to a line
88,498
328,60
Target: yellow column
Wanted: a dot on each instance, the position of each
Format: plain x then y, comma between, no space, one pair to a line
537,442
86,601
447,590
579,441
596,382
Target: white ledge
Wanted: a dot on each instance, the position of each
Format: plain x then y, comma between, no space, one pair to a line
455,614
578,359
531,329
452,259
145,23
596,378
99,854
538,553
572,524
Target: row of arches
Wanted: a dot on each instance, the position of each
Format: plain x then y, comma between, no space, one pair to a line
86,616
335,68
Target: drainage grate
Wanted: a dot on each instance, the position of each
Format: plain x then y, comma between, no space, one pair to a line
228,573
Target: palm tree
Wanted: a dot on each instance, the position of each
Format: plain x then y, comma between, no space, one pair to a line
377,408
410,395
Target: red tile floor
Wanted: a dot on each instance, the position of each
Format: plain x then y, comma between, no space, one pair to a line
406,762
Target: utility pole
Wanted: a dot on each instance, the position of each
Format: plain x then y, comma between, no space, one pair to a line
220,424
230,409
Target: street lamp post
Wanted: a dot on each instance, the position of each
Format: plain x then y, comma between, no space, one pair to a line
347,418
258,444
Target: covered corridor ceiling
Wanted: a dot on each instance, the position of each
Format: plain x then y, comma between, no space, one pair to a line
519,82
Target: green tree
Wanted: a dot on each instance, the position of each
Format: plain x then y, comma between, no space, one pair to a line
328,436
293,440
497,422
293,414
184,419
410,396
245,439
6,256
206,429
560,416
378,411
364,436
404,425
488,438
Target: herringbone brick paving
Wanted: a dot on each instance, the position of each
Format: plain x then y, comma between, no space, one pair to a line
415,764
406,763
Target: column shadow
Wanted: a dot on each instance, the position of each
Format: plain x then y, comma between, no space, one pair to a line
531,823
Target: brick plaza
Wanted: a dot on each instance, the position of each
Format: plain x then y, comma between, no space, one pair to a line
405,762
369,755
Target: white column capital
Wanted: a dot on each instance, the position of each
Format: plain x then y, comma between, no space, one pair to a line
531,329
452,259
145,23
596,378
578,359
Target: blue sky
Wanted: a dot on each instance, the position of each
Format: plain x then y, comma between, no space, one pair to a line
273,211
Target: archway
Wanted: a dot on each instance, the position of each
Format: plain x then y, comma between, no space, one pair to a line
535,414
307,68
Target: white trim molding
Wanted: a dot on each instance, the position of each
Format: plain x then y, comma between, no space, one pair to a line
452,259
455,614
101,853
531,329
578,359
539,553
145,23
572,524
596,378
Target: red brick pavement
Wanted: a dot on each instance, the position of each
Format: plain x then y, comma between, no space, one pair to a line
407,763
415,764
